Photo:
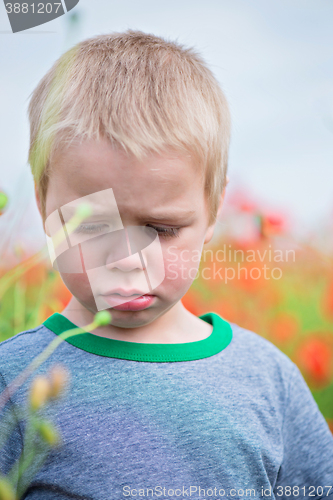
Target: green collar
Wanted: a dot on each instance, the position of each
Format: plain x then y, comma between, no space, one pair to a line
218,340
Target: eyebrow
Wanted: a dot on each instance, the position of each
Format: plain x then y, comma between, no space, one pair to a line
70,210
164,217
156,217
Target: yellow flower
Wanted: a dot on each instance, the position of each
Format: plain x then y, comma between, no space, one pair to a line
6,490
59,377
39,392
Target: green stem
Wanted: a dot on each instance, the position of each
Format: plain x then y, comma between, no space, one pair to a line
34,318
19,306
27,453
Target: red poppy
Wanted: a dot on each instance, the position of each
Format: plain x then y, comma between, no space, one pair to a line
284,328
315,358
247,206
272,224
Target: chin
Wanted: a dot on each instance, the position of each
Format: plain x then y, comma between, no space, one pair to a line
132,319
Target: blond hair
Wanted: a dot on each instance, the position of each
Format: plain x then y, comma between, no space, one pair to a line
142,93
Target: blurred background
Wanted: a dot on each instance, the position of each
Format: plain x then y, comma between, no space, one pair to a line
274,63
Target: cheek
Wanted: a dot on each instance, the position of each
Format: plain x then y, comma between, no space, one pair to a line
78,284
181,265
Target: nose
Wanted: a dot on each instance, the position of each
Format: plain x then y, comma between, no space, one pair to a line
128,264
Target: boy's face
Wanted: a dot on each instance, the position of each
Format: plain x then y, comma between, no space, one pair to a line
165,192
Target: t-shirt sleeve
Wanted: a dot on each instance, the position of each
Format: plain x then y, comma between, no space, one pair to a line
11,439
307,467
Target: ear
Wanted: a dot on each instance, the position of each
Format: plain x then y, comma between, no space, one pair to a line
37,199
210,230
39,204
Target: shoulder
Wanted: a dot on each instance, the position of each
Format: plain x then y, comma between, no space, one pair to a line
18,351
252,345
252,356
25,340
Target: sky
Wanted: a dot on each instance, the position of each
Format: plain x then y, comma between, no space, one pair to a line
273,59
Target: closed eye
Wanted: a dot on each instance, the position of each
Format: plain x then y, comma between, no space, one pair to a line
166,232
91,228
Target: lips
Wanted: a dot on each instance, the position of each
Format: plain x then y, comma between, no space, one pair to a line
124,293
129,301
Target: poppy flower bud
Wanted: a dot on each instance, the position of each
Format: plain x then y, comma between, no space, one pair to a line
49,433
6,490
102,318
39,392
59,377
3,201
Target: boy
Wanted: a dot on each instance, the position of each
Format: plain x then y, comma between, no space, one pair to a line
162,403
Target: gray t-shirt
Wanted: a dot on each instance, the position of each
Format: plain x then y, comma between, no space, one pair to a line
227,416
